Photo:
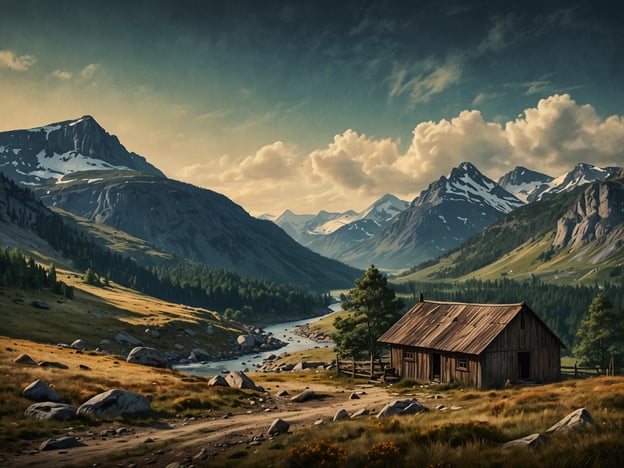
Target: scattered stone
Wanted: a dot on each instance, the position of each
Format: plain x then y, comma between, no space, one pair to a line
174,465
60,444
279,426
354,396
402,407
319,422
149,440
127,338
218,381
79,344
283,393
178,346
531,441
147,357
51,410
115,403
579,419
39,304
341,414
24,359
190,332
246,341
202,455
40,391
83,367
54,364
304,396
238,379
361,412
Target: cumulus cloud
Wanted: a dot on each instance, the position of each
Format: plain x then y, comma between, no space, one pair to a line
62,75
12,61
354,170
88,71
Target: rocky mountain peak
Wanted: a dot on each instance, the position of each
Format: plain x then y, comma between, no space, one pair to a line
597,214
38,154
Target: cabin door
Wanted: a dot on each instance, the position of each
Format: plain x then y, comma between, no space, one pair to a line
435,367
524,364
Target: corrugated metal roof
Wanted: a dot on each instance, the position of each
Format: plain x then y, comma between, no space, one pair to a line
451,326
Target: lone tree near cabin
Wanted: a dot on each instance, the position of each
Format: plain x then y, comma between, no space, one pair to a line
374,308
600,336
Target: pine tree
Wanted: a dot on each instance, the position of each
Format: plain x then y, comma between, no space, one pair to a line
600,335
374,308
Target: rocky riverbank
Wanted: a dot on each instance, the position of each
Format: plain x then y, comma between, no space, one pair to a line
315,335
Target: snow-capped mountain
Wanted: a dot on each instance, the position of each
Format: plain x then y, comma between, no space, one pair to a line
581,174
523,182
444,215
40,154
530,186
331,234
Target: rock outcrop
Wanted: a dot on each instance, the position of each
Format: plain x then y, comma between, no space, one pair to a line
51,410
115,403
40,391
147,357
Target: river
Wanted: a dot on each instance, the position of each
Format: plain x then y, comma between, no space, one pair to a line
247,363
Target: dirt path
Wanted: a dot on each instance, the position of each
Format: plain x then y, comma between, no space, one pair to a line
179,440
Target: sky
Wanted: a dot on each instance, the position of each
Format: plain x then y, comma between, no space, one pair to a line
321,105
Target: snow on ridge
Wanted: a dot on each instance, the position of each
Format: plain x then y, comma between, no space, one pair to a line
482,192
47,129
69,162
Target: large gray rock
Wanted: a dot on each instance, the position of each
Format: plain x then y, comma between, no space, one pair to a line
279,426
127,338
115,403
60,444
306,395
579,419
218,381
341,414
51,410
402,407
199,354
246,341
530,441
238,379
40,391
25,359
147,357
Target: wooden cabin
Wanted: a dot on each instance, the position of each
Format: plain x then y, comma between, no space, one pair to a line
483,345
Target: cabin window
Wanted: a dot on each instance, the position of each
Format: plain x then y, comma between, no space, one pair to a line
408,355
462,362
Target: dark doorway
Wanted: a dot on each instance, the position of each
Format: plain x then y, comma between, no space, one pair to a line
524,364
435,367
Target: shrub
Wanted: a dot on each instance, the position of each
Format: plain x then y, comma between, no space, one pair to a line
319,453
382,455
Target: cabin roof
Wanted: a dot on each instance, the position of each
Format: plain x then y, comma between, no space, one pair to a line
454,326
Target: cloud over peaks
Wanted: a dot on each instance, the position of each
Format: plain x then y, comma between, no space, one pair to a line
12,61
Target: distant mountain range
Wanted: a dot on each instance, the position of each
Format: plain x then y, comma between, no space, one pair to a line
77,166
440,219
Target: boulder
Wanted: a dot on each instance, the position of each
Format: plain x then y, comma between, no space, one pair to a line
40,391
127,338
51,410
198,354
218,381
147,357
238,379
402,407
360,412
306,395
60,444
80,344
279,426
530,441
341,414
579,419
115,403
246,341
25,359
39,304
57,365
